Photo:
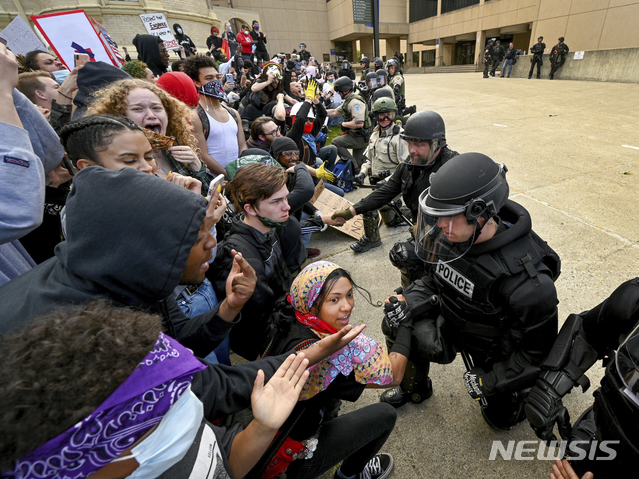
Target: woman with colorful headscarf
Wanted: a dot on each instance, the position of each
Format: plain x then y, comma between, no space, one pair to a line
313,440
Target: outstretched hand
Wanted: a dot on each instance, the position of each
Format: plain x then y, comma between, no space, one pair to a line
563,470
272,403
330,344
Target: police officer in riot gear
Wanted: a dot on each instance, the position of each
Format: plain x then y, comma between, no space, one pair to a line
386,150
346,70
537,50
488,292
356,124
396,79
488,55
497,54
425,134
382,83
378,62
584,339
365,63
558,57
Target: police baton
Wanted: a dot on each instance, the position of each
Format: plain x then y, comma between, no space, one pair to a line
468,362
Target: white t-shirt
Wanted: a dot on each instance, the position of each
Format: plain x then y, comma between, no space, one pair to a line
222,141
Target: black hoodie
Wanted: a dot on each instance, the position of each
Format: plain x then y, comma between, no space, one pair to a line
149,53
129,235
184,40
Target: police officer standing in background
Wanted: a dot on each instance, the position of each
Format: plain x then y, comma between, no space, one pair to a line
585,338
558,56
425,134
356,124
489,292
365,63
488,54
396,80
497,54
386,150
537,50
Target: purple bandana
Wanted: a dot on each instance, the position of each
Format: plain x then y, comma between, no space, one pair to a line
214,90
137,405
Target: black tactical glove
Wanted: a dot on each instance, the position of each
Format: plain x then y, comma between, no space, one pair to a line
396,313
399,254
544,407
475,382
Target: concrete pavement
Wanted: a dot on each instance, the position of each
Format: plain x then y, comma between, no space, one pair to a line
572,151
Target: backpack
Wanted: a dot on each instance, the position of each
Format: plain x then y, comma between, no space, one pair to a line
344,174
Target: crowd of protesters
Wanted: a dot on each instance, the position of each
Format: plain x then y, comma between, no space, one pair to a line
156,217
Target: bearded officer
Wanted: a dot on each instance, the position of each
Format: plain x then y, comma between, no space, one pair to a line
386,151
489,291
425,134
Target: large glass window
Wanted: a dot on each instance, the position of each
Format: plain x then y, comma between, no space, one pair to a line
344,50
422,9
452,5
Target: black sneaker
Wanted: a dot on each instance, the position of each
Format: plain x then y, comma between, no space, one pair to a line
380,467
364,244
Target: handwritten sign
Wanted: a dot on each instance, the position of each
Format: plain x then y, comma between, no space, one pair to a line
156,24
20,39
579,56
328,202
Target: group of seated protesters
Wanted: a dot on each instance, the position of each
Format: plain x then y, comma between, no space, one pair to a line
102,334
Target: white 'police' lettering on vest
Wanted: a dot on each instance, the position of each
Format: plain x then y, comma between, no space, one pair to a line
455,279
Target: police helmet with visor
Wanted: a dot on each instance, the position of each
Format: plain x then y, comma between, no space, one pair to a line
378,62
392,63
365,62
464,195
381,77
371,80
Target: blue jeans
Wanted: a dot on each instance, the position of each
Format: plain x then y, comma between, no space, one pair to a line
507,63
199,302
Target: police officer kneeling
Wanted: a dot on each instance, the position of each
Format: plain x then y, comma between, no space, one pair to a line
489,291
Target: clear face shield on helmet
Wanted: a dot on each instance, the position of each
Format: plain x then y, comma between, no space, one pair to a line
381,81
443,235
627,361
371,83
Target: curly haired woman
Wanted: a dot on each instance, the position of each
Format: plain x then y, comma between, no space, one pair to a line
165,121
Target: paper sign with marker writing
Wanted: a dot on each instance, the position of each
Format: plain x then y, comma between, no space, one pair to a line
156,24
20,39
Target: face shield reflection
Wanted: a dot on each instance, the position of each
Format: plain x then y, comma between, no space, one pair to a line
441,235
627,361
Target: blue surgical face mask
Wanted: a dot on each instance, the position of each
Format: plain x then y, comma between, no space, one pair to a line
60,76
171,440
179,30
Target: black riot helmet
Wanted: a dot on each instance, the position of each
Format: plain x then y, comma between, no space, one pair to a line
343,85
378,62
371,80
465,194
381,77
392,63
426,126
365,62
382,93
346,65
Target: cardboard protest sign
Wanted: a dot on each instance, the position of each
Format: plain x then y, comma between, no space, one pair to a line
64,29
156,24
20,39
328,202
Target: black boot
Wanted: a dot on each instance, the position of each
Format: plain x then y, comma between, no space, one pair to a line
416,387
371,238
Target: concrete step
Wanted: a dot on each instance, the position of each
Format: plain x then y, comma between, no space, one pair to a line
446,69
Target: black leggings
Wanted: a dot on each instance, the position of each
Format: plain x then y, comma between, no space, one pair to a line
354,438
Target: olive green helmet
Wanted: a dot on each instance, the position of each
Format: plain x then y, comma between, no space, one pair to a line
384,104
